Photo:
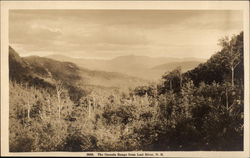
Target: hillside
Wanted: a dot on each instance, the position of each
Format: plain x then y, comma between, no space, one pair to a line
17,66
138,66
21,71
45,69
216,69
186,65
48,68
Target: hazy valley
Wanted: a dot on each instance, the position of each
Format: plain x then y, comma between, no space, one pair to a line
148,68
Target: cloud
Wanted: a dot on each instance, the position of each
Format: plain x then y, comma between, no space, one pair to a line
110,33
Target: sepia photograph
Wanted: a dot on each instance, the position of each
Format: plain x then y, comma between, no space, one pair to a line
125,80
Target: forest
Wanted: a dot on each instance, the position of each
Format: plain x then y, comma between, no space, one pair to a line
51,109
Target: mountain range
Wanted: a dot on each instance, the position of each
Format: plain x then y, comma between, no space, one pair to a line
44,71
124,71
150,68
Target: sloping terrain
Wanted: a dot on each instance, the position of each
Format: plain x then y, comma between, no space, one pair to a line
46,70
139,66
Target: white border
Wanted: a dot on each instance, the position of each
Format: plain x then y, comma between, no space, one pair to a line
170,5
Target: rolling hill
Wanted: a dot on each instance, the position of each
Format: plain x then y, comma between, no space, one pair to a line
45,70
139,66
185,65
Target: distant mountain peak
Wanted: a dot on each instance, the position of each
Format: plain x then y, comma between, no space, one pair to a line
134,65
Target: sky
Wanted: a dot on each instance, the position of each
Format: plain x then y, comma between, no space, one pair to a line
106,34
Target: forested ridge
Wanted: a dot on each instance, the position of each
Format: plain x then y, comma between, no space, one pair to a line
202,109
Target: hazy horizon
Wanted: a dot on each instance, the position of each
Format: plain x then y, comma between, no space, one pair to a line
63,55
107,34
